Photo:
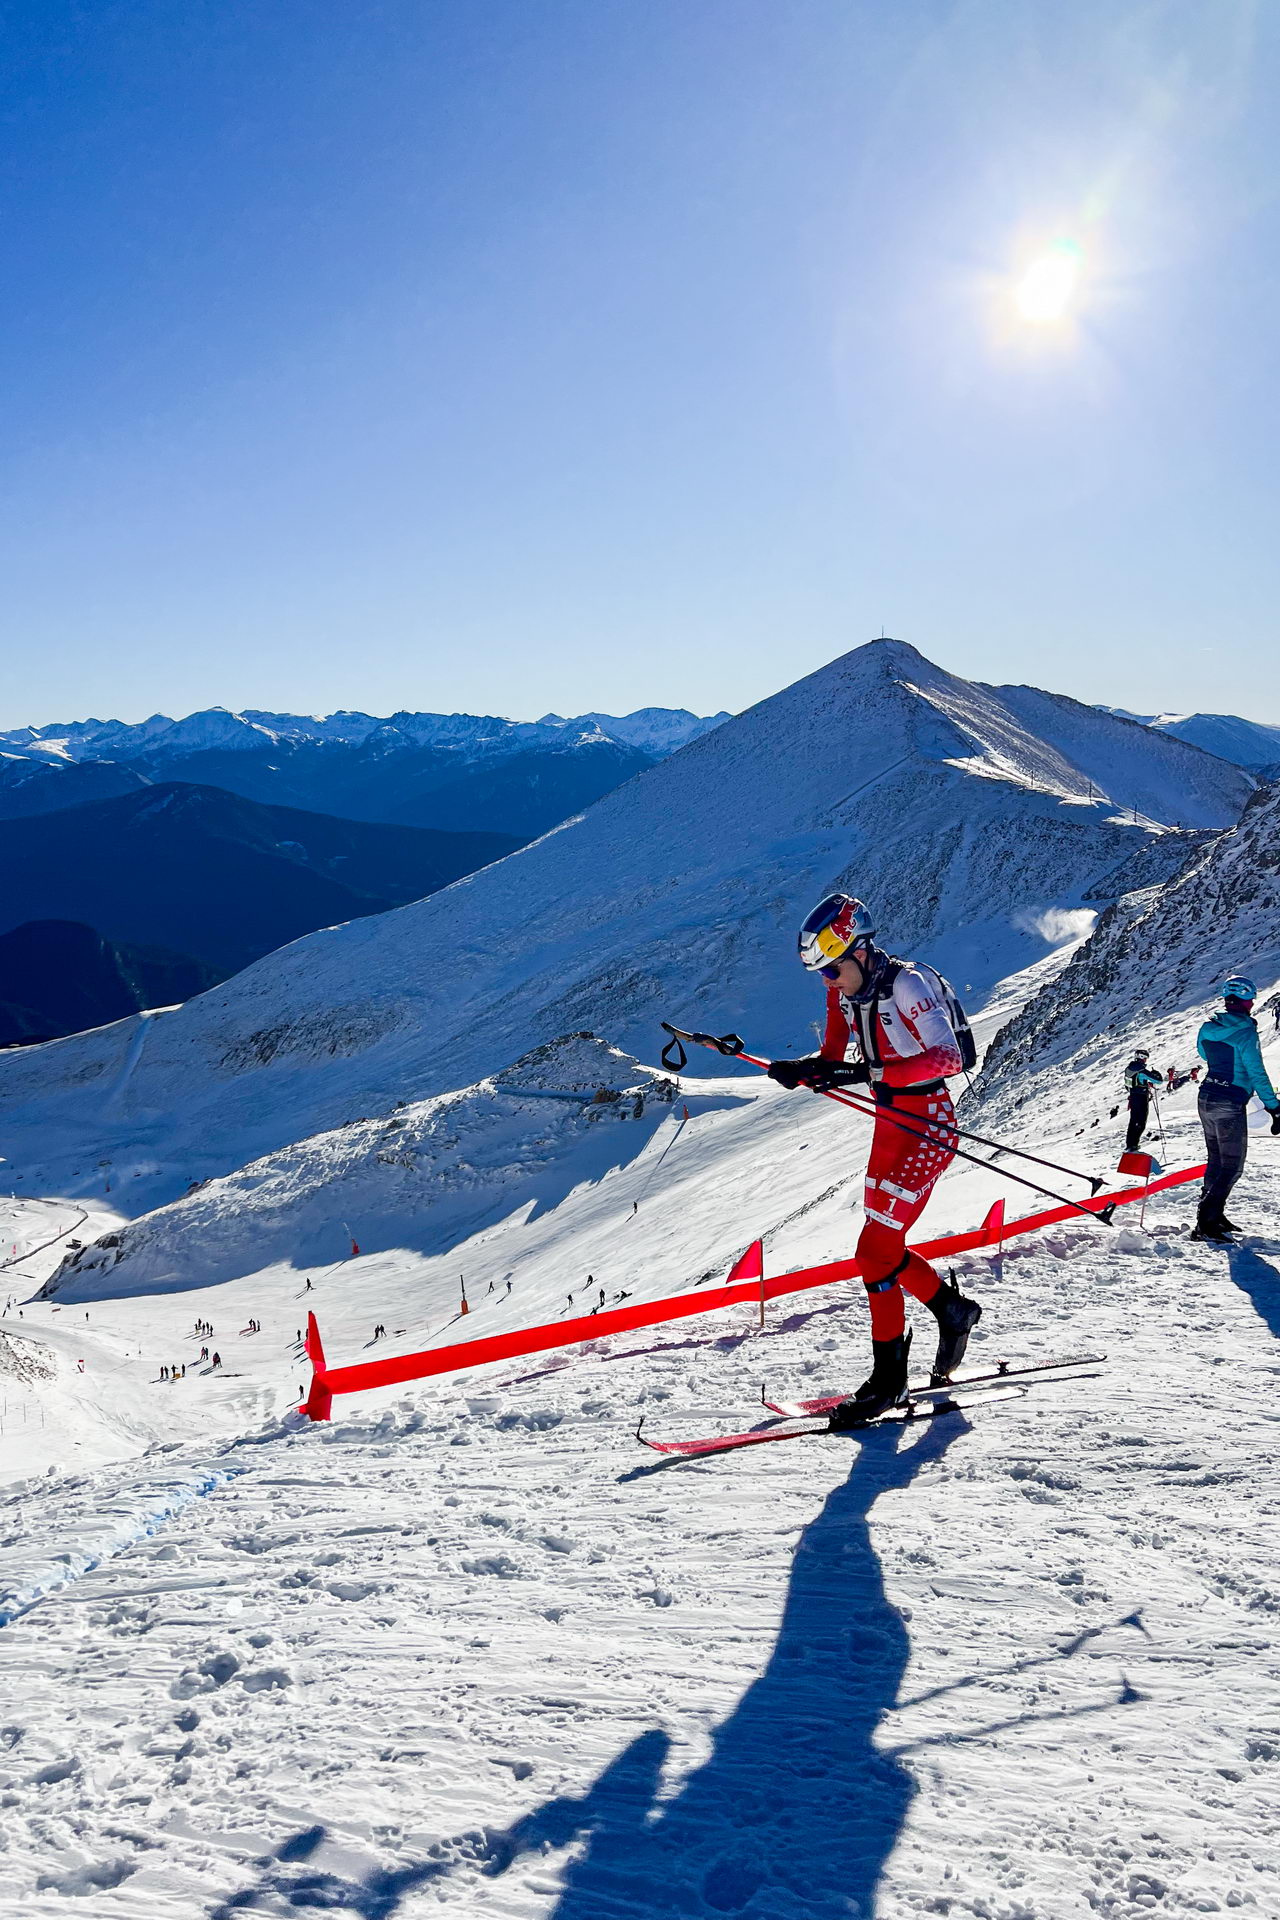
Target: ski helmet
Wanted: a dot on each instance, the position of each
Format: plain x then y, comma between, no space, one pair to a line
1142,1053
1238,987
836,925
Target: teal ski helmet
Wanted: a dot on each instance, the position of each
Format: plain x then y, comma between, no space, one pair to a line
1238,987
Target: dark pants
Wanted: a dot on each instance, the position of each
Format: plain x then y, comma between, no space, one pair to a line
1139,1114
1226,1135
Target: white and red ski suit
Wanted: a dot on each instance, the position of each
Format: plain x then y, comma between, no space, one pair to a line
906,1038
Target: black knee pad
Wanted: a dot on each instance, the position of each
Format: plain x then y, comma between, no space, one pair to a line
890,1279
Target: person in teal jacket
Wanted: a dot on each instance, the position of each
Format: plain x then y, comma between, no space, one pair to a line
1229,1046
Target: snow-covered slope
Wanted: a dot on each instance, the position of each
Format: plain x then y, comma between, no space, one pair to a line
427,1176
676,896
1249,743
1152,965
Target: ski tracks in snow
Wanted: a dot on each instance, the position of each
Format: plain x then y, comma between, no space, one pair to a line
484,1658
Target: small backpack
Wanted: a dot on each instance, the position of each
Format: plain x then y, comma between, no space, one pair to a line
950,999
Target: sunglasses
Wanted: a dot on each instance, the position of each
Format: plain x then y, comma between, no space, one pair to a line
833,972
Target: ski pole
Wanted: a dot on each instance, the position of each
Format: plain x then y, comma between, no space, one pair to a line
731,1045
1095,1181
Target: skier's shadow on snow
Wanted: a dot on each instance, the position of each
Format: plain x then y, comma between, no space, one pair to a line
1260,1280
796,1809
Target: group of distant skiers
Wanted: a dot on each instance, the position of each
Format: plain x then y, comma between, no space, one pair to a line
180,1372
1229,1046
912,1037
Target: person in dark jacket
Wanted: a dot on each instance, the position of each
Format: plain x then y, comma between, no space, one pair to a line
1229,1046
1139,1078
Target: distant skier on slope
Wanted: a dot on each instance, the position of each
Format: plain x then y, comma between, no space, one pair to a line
905,1021
1139,1080
1228,1044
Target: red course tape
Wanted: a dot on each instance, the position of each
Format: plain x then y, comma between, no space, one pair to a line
394,1371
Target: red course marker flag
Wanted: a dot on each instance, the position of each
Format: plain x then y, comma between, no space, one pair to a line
750,1266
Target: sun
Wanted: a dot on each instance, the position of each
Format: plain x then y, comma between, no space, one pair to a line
1047,288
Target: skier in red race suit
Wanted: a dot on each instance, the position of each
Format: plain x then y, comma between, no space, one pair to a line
904,1019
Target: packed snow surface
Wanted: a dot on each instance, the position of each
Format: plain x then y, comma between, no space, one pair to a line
470,1648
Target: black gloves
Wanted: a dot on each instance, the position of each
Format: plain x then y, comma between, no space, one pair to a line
1275,1119
845,1073
823,1075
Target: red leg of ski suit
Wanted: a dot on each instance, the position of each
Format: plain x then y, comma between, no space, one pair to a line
901,1174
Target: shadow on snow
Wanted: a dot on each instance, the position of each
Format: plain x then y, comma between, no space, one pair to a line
1258,1279
795,1811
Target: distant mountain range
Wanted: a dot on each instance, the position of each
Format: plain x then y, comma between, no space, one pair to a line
1249,743
218,837
217,879
454,772
58,977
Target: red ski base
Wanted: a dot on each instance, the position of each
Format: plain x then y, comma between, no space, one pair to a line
913,1410
921,1404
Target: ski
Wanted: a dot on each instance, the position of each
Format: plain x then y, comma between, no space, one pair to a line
804,1409
916,1409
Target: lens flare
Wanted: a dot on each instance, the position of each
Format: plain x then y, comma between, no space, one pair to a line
1046,290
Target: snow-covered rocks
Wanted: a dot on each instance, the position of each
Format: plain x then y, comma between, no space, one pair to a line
1150,970
425,1174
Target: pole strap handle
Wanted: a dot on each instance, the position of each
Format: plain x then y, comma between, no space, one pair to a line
727,1043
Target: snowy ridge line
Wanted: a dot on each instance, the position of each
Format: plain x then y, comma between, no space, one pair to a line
63,1565
368,1374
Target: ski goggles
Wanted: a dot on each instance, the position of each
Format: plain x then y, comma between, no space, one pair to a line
834,926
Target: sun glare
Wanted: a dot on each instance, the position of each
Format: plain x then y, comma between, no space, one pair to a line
1047,288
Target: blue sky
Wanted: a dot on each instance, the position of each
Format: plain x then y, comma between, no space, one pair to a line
521,354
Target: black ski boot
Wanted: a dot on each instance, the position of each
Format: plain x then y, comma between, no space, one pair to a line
1212,1225
884,1387
956,1318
